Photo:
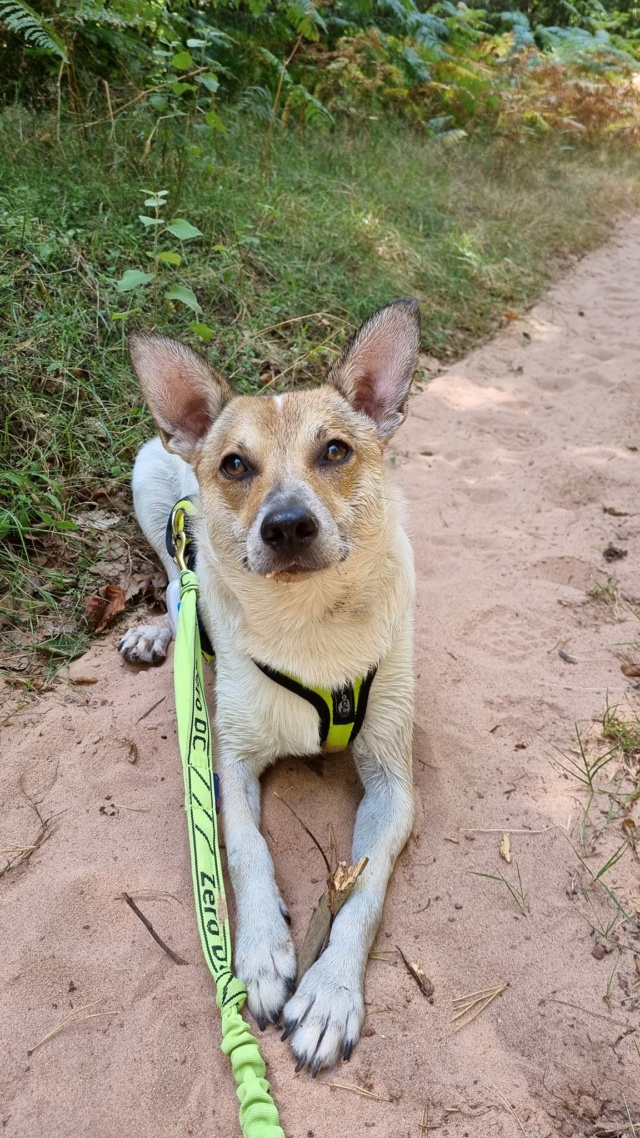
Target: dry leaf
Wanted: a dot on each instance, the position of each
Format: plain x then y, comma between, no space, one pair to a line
632,671
104,606
505,848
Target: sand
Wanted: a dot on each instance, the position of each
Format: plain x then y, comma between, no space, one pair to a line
507,460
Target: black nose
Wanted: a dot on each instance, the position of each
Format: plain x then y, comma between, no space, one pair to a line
289,527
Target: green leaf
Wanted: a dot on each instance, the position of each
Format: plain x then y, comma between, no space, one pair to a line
183,230
209,81
149,220
133,278
61,524
182,61
202,330
180,88
185,296
214,121
168,258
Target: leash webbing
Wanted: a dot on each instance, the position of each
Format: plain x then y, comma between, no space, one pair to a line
258,1112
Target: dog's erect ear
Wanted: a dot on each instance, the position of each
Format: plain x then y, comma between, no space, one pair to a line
375,369
184,396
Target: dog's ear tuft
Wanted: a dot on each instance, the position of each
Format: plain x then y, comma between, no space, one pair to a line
184,396
375,369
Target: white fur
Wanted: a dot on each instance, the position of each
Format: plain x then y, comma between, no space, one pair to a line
328,627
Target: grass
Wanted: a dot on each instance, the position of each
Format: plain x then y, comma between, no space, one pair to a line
287,265
516,891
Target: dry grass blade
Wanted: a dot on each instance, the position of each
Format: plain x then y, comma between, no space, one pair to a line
425,1124
509,1108
75,1017
19,855
468,1008
358,1091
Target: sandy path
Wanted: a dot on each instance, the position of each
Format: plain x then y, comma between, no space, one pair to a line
507,461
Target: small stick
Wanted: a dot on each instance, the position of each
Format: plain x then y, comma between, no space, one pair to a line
587,1011
424,984
306,830
75,1017
506,830
358,1091
152,708
147,924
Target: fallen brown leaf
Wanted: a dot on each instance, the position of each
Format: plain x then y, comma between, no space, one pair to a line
632,671
104,606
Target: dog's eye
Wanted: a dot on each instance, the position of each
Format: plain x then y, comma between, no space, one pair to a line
233,466
336,451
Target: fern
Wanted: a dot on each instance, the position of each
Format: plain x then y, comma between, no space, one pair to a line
20,19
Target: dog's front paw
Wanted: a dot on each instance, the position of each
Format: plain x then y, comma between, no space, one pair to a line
146,644
265,960
324,1018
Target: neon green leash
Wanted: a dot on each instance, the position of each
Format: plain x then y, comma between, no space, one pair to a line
258,1112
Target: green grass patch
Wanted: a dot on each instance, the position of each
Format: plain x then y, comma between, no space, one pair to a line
286,265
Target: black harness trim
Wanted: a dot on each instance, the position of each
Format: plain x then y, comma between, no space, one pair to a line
311,697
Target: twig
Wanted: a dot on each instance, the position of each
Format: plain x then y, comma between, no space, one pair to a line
506,830
425,1124
306,830
147,924
587,1011
424,984
358,1091
152,708
75,1017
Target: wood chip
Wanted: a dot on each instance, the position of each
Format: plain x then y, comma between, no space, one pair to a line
505,848
339,887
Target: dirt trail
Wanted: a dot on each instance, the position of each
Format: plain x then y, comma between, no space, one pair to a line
507,461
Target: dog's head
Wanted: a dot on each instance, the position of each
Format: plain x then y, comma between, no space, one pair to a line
291,483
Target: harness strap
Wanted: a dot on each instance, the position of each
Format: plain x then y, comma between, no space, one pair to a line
341,711
258,1112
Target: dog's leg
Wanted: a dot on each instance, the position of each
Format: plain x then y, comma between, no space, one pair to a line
324,1017
264,954
159,480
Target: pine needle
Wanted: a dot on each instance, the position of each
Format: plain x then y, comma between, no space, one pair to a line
468,1008
74,1018
358,1091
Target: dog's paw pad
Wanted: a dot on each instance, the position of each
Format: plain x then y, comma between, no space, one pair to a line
146,644
324,1018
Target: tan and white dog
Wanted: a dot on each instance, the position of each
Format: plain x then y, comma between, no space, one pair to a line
304,567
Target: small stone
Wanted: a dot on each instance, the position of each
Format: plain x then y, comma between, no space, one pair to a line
589,1108
598,951
566,1129
458,905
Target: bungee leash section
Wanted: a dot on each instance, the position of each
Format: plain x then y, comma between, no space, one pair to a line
258,1112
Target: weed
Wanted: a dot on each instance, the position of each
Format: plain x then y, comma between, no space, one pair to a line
516,891
624,733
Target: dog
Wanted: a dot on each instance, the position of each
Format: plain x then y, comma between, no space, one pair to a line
306,585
